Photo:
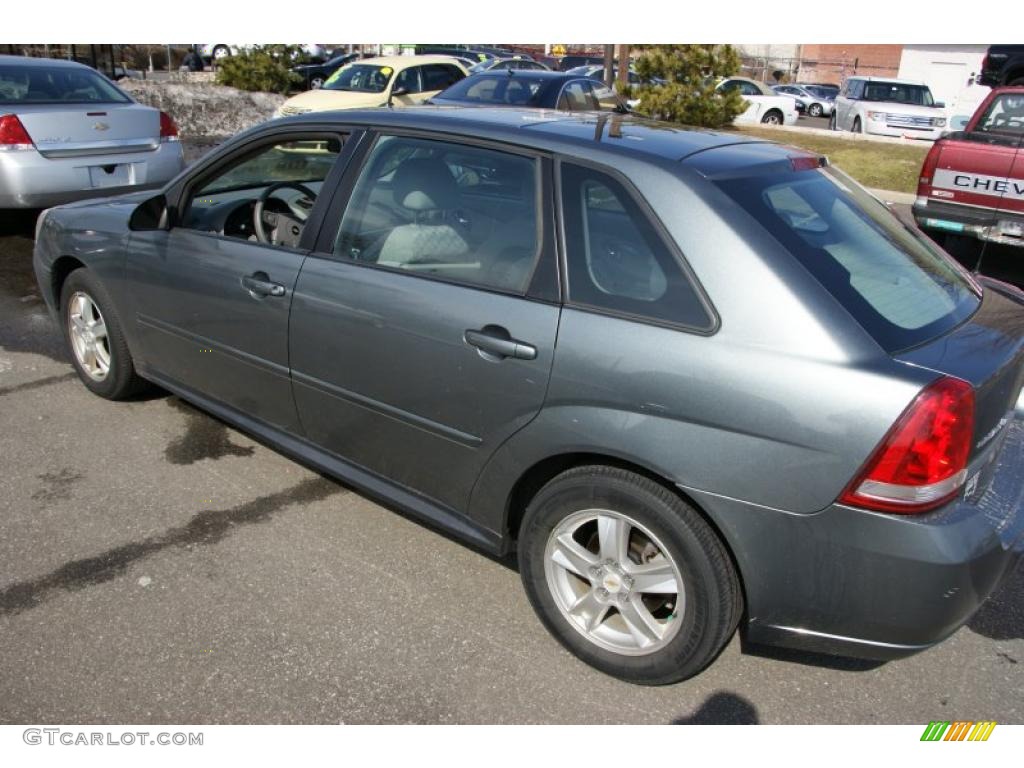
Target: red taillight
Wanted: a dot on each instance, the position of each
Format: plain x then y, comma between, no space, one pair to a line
931,161
922,462
13,134
807,162
168,129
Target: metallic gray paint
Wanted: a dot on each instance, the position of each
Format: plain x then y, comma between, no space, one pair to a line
760,423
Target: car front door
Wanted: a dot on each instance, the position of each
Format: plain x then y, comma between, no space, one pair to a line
423,325
211,295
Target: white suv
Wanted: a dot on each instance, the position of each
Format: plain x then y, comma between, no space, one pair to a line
888,107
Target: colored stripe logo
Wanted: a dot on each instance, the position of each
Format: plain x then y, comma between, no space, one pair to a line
958,730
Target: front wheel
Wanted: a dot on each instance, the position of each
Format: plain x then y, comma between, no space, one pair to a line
832,123
857,127
93,334
772,117
627,575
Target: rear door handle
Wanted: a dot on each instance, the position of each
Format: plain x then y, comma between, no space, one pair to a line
259,284
495,341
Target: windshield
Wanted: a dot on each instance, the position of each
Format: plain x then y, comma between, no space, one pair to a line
899,93
53,85
896,283
364,78
1004,115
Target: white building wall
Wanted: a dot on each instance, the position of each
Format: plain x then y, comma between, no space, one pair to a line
949,71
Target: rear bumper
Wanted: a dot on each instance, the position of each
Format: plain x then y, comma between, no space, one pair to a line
854,583
29,180
990,224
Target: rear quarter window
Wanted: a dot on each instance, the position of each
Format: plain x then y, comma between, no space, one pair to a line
901,288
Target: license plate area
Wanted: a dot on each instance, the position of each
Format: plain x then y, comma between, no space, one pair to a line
111,175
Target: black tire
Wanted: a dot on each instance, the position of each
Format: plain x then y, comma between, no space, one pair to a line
857,127
316,82
220,52
1016,81
773,117
713,598
121,381
814,110
833,124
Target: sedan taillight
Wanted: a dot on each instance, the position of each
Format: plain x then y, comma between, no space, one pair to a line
922,462
168,128
13,135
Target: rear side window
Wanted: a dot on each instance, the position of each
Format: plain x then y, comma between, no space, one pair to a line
616,259
898,286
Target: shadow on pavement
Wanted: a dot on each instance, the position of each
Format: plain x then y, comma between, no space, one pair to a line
722,708
809,658
1002,615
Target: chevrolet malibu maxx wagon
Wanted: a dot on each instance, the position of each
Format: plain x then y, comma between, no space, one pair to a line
692,381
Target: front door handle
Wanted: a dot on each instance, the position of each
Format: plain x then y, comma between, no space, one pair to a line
494,342
259,284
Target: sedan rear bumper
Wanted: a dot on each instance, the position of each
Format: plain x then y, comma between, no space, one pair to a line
29,180
849,582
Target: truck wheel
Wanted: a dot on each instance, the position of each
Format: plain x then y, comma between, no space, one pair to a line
1017,81
857,127
628,576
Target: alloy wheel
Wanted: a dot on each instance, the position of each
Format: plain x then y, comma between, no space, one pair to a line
614,582
88,332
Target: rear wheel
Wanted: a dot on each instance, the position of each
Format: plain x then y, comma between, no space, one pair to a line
814,110
772,117
93,333
627,575
1017,81
316,82
221,51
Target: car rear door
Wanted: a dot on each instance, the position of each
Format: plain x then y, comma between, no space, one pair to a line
211,301
423,325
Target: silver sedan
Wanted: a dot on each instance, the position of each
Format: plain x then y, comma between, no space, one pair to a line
67,132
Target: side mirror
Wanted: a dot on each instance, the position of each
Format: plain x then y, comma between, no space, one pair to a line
398,90
153,214
939,104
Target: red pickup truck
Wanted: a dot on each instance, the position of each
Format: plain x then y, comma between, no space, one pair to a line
972,181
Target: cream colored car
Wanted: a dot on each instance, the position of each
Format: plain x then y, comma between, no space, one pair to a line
399,81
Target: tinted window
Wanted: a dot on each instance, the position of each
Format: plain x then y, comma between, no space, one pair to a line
616,259
439,209
899,286
437,77
497,88
899,93
45,85
855,88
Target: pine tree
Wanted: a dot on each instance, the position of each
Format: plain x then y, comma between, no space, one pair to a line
681,82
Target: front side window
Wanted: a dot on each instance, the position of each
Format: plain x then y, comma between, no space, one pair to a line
52,85
410,79
615,258
278,184
445,210
891,279
437,77
362,78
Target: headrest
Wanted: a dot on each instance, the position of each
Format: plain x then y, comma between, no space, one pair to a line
425,184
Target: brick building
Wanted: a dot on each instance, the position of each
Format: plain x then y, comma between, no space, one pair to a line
833,63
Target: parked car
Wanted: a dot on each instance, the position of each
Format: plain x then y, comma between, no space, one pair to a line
597,73
514,63
770,401
212,52
888,107
810,100
765,106
399,81
570,62
67,132
1003,65
315,75
457,51
972,181
541,89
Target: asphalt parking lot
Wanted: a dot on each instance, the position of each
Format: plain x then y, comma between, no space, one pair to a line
159,566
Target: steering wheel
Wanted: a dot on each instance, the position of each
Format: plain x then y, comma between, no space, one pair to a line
288,228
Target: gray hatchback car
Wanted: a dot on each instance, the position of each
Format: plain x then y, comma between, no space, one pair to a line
693,381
